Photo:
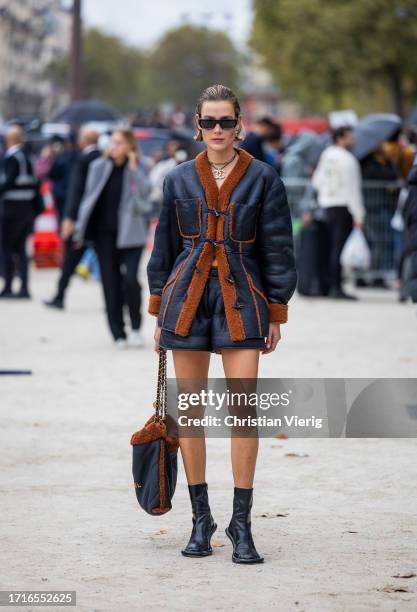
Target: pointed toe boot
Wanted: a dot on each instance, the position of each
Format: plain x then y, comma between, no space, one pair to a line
203,523
239,529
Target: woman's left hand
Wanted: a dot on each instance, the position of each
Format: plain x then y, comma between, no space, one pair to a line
274,337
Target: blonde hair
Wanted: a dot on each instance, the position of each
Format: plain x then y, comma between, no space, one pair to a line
14,134
129,137
214,93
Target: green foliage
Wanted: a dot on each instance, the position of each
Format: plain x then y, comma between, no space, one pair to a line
111,70
190,58
185,61
334,53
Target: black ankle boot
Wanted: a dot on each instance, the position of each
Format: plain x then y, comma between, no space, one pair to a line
203,523
239,530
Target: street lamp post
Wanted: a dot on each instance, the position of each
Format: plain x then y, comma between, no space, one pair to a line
76,52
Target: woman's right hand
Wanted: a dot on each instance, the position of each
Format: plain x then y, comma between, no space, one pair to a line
156,336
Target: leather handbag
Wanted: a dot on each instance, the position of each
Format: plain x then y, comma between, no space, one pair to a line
155,453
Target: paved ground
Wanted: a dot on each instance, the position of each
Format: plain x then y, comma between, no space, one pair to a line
69,514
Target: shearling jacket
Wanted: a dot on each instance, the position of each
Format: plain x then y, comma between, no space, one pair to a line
246,225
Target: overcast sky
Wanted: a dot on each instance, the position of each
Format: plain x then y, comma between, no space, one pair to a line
142,22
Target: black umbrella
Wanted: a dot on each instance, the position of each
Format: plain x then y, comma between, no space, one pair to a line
84,111
302,155
371,131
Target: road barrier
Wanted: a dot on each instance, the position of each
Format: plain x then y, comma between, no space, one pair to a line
380,199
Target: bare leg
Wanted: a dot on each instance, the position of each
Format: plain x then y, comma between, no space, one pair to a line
192,365
243,363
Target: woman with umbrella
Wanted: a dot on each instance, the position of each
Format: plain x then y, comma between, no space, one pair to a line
380,200
408,262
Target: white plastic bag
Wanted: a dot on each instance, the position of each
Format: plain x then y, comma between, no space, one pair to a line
356,252
397,221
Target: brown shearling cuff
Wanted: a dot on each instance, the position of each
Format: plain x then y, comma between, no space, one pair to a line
278,313
154,304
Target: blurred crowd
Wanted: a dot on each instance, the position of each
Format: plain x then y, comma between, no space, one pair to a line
107,188
104,197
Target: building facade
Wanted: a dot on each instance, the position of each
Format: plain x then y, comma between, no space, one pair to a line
261,96
32,33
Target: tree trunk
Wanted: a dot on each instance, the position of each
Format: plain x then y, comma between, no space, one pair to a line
397,91
75,53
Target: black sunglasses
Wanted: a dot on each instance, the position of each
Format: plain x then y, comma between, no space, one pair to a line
225,124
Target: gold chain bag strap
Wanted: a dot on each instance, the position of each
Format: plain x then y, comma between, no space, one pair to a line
155,453
160,404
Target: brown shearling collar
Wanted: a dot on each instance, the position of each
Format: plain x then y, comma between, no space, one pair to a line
219,198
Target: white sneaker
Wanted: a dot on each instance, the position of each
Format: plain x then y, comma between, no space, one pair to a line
121,343
136,338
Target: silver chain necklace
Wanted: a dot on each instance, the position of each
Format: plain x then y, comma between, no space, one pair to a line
218,169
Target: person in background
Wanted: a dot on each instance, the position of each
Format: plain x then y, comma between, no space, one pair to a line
397,221
337,180
112,216
18,192
377,166
400,154
273,148
44,162
60,172
263,130
87,142
174,155
408,261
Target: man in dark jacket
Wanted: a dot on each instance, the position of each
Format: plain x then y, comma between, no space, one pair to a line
89,152
60,172
408,263
18,192
377,166
264,130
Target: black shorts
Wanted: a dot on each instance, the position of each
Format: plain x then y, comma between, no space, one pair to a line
209,331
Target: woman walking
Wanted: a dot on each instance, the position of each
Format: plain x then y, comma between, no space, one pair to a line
221,274
112,217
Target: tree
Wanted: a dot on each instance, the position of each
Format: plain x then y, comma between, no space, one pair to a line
185,61
190,58
331,53
112,70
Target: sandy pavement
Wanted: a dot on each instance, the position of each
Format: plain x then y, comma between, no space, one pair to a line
69,517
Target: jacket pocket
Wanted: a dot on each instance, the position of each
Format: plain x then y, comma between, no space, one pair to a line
189,216
243,221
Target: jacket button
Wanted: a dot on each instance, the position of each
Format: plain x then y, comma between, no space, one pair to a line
197,269
237,305
230,279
